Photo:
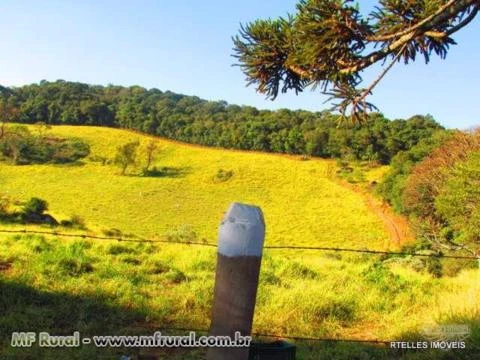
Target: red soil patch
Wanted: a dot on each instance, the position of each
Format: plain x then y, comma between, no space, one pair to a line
396,225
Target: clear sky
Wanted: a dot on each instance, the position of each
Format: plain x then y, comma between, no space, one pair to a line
185,46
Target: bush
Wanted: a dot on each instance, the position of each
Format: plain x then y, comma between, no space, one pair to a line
76,222
74,267
379,275
21,147
4,205
35,206
71,259
434,267
112,232
223,175
70,150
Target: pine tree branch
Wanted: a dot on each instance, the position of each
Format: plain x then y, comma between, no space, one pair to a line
456,4
425,27
464,23
448,12
368,90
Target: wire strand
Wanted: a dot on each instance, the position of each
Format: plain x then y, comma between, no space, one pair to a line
263,335
206,244
290,337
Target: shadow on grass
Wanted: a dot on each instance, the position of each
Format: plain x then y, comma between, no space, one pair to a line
77,163
25,309
170,172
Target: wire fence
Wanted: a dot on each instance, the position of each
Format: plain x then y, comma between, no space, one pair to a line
288,337
272,247
275,247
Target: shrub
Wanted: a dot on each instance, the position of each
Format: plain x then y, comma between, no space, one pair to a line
131,260
269,278
4,205
70,150
72,260
223,175
379,275
21,147
35,206
112,232
76,222
434,267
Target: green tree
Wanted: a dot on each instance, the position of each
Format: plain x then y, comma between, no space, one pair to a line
458,203
8,113
150,153
328,43
126,155
216,123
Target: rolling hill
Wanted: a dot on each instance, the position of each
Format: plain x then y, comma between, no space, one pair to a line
50,283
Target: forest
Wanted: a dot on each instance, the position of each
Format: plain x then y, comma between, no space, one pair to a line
216,123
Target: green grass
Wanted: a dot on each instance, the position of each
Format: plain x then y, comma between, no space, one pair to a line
106,287
301,205
110,288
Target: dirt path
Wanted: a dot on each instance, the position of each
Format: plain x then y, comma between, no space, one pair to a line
396,225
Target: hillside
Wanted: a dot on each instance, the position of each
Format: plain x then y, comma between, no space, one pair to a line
61,285
214,123
302,205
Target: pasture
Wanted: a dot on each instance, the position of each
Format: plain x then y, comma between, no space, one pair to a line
109,287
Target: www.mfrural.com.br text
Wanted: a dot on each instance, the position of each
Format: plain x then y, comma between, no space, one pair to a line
157,340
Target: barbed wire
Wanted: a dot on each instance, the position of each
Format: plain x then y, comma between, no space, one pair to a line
377,252
254,334
289,337
107,238
206,244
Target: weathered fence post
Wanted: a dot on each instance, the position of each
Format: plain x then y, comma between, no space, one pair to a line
240,246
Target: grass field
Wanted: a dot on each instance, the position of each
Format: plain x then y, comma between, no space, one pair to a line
59,285
301,205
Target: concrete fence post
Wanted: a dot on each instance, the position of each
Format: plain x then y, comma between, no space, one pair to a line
240,247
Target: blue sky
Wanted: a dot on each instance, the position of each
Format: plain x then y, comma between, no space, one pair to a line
185,46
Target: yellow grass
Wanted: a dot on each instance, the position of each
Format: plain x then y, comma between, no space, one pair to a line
148,286
301,205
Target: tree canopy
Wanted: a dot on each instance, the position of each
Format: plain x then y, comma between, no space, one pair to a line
328,43
216,123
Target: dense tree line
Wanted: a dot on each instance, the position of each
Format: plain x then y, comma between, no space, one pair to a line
437,185
216,123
